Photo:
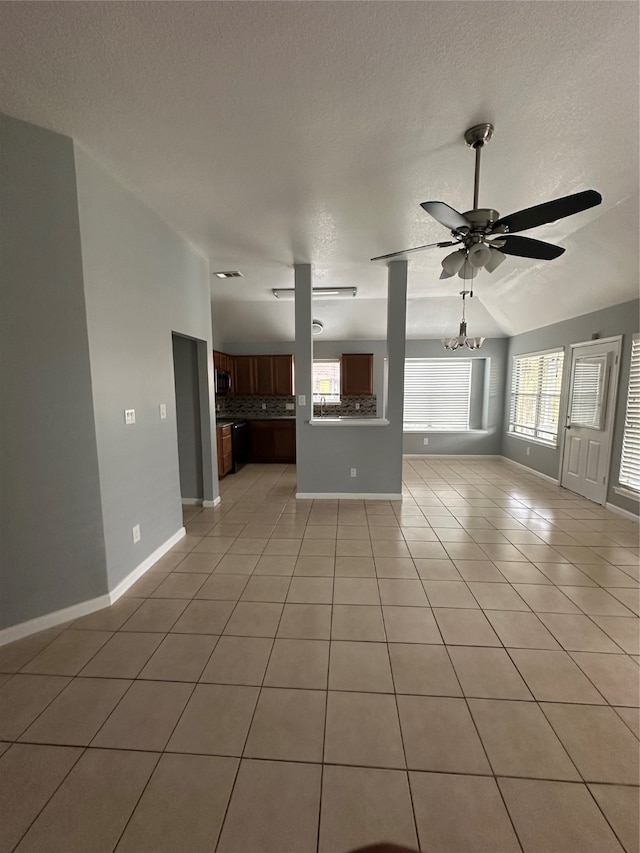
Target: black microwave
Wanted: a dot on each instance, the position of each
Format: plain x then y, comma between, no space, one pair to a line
223,382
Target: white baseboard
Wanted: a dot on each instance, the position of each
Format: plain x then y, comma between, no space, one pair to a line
191,501
624,512
526,468
461,456
210,504
84,608
346,496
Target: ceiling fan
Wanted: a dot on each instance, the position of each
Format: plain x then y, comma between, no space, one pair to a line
484,238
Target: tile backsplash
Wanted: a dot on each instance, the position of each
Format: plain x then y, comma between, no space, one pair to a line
255,408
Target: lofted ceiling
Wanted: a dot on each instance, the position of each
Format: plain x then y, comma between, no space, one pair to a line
270,133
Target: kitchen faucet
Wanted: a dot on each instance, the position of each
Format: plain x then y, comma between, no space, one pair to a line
323,406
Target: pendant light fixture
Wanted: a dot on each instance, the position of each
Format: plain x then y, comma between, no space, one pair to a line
462,339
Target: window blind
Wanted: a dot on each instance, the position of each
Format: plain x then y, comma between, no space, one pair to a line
536,383
326,380
437,393
630,463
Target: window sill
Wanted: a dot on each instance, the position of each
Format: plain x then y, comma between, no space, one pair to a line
530,440
348,422
627,492
412,430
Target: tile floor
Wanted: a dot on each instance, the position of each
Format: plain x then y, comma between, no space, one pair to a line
456,672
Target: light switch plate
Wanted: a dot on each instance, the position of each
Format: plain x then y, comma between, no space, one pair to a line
302,400
129,416
163,411
136,533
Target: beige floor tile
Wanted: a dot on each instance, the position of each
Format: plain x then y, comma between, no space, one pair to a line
552,676
180,657
437,570
315,566
465,628
482,571
310,590
275,564
521,572
74,717
545,599
410,625
423,669
146,585
617,677
305,622
461,814
317,548
214,545
629,597
381,533
395,567
68,653
565,574
608,576
145,717
357,622
439,734
254,619
29,775
266,588
519,741
13,656
578,633
497,596
91,807
572,821
408,592
182,807
204,563
631,717
360,667
222,587
621,807
600,745
521,630
204,617
595,601
23,698
237,564
298,663
238,660
215,721
108,619
123,656
156,615
415,534
356,591
180,585
363,729
449,594
248,545
488,673
362,805
320,531
355,567
288,725
274,808
282,547
625,631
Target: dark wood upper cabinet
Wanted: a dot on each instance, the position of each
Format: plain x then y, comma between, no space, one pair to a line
244,375
265,380
283,375
357,374
257,375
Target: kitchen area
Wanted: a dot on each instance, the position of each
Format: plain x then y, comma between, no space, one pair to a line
255,405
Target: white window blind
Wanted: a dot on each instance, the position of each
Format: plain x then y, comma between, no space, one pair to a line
589,388
536,383
630,464
437,393
326,380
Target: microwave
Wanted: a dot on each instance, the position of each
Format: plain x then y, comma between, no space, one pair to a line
223,382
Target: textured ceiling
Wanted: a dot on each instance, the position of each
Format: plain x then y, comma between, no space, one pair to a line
269,133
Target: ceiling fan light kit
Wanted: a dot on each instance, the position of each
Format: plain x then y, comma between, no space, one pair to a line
462,340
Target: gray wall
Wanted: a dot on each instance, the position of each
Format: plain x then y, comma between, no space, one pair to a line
52,544
619,320
185,367
142,282
487,401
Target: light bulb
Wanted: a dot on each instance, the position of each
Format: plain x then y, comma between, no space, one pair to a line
479,254
467,271
452,263
495,260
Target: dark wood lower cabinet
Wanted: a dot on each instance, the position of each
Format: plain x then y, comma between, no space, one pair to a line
272,441
225,455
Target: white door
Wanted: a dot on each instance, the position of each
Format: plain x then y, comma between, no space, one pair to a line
588,431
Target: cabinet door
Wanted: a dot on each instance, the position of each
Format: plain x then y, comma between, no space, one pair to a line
265,385
284,441
357,374
217,360
261,441
283,375
244,369
221,471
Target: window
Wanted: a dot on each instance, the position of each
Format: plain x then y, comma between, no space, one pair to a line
437,393
326,380
630,463
536,383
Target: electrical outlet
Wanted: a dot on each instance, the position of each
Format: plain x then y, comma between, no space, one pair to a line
264,406
425,440
357,407
302,400
163,411
354,473
289,406
129,416
136,533
528,451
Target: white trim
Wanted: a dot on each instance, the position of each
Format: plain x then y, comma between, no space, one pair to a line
627,493
529,440
191,501
553,480
597,341
84,608
210,504
619,511
348,422
450,456
407,429
346,496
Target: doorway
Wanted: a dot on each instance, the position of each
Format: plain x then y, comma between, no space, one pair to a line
588,432
188,390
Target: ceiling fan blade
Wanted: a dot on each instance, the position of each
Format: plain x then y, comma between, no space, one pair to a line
548,212
525,247
415,249
446,215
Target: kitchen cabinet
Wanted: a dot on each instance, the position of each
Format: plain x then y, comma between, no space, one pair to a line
224,448
357,374
264,376
244,372
283,375
273,441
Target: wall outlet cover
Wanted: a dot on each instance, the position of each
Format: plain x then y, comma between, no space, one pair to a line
528,451
264,406
129,416
425,440
136,533
163,411
354,472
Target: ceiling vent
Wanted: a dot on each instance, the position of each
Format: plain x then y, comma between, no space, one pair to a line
228,274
